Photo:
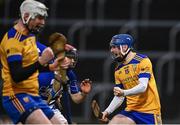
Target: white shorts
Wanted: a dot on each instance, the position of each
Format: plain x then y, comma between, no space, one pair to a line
59,116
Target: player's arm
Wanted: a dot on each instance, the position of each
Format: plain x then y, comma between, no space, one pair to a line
85,89
77,95
54,63
115,103
14,57
20,73
144,76
140,88
74,89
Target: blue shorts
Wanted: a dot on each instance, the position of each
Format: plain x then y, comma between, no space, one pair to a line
142,118
20,106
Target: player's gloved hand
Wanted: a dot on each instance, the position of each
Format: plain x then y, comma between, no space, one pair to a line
118,91
46,56
86,86
104,118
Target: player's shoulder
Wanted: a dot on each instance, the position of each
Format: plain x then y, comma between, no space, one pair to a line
40,46
139,57
9,37
14,34
143,59
11,33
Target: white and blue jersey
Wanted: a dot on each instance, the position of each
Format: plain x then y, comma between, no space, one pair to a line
46,88
44,78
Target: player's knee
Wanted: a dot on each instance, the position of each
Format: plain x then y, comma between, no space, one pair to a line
121,119
58,118
115,120
64,122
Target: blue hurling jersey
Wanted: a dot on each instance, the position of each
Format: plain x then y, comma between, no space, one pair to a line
44,78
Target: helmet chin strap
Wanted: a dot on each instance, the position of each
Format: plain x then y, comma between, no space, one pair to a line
25,22
124,53
118,59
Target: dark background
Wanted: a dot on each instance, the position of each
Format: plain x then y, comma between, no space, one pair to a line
89,26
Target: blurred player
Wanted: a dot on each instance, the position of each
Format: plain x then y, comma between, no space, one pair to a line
21,65
134,81
70,89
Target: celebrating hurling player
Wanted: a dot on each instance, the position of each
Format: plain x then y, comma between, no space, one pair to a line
67,90
134,81
21,65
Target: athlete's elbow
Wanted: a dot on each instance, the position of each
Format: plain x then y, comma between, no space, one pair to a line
16,79
77,98
77,101
143,89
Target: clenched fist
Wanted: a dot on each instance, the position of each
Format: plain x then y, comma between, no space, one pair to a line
86,86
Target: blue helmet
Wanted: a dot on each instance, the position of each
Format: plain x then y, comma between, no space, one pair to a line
122,39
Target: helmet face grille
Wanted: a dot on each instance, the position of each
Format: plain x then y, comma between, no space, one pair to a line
73,55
